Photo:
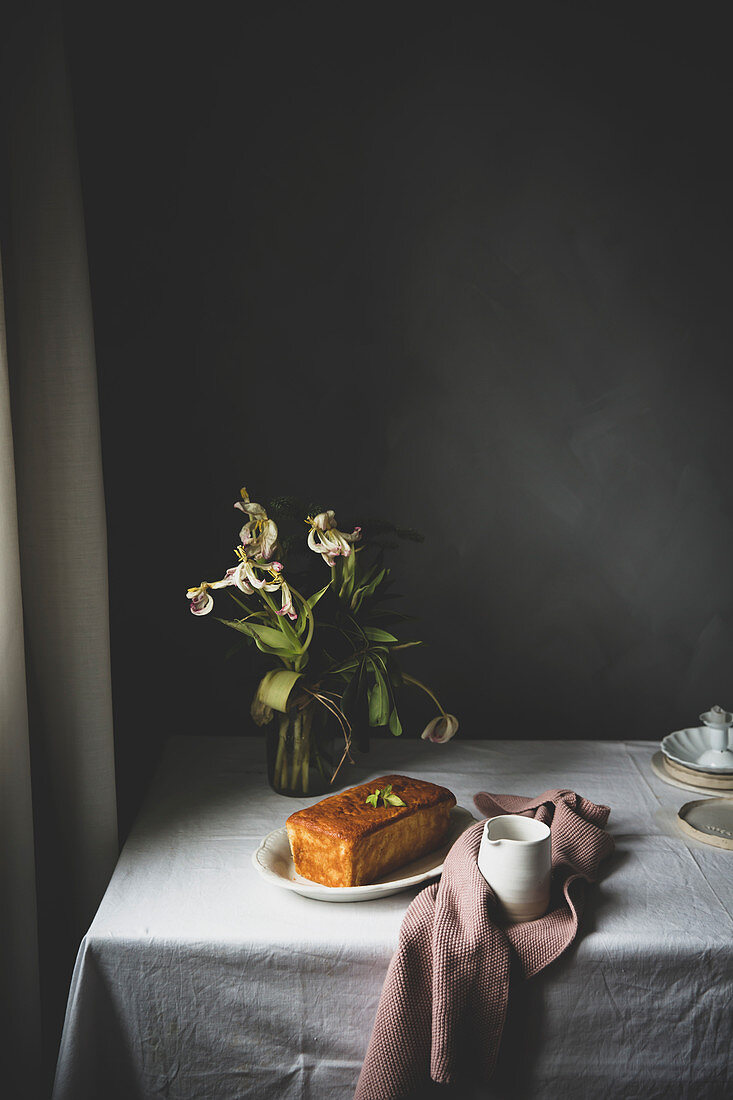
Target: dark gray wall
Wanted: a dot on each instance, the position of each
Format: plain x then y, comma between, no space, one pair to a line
468,270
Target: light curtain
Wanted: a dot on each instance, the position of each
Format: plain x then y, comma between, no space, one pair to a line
58,824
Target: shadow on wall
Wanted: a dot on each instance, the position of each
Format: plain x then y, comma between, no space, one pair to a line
465,272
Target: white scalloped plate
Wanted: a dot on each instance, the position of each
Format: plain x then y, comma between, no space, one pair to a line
274,861
687,746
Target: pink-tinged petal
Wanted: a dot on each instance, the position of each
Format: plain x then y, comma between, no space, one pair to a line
201,605
287,602
240,579
268,539
427,733
227,580
336,542
441,729
250,508
330,542
313,542
277,566
324,520
252,578
355,534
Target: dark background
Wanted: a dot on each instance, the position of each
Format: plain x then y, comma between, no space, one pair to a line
465,267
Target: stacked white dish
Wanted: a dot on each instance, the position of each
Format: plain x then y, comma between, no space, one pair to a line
700,759
701,755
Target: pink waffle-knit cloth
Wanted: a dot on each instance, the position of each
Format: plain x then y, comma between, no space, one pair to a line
445,996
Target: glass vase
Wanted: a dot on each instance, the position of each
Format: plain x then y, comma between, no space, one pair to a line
300,752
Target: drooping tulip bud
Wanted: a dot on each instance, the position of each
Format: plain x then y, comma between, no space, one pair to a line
441,729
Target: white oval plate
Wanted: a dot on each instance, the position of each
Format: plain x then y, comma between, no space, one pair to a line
687,746
273,859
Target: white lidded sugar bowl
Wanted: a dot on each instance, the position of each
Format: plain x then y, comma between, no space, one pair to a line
718,723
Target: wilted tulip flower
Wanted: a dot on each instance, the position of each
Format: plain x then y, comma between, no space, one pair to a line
259,535
201,601
441,729
287,602
325,538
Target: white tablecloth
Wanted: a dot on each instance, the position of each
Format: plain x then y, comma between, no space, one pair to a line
200,981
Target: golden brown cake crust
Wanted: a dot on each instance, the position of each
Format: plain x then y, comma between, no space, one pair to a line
344,841
348,816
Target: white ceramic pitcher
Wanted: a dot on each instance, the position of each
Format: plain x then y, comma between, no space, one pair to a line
515,859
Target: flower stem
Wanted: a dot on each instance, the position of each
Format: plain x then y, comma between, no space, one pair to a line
281,763
308,615
281,620
423,687
297,738
307,720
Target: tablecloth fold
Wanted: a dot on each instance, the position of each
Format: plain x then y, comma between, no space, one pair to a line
444,1000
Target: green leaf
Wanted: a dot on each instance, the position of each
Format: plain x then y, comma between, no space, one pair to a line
376,634
366,589
356,600
276,686
284,654
381,657
276,639
380,577
348,566
300,626
358,712
368,574
350,692
266,639
345,666
388,799
235,624
378,700
395,726
313,600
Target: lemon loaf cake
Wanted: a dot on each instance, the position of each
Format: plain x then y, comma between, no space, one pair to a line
345,840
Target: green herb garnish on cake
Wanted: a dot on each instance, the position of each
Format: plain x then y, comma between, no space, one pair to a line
388,799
